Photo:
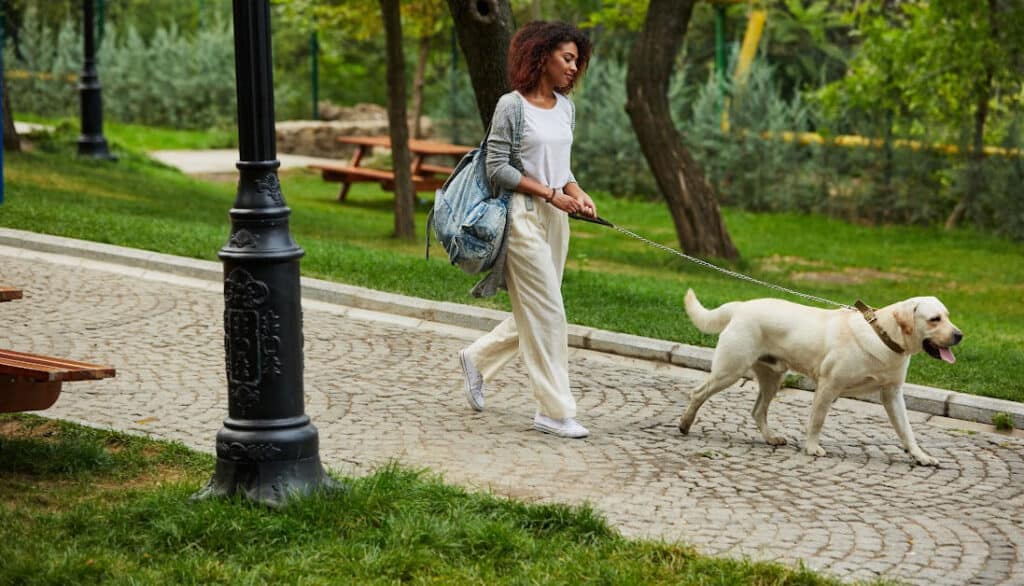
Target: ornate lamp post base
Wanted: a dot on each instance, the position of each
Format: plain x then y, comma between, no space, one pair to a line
268,466
94,147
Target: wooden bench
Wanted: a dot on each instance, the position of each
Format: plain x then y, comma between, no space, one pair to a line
31,382
9,294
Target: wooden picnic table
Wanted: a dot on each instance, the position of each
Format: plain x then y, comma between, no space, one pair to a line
425,176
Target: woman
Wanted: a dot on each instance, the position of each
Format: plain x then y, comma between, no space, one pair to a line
528,151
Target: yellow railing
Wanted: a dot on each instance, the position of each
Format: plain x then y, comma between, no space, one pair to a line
25,74
852,140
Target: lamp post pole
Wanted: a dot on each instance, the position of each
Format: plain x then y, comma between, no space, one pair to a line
267,450
91,142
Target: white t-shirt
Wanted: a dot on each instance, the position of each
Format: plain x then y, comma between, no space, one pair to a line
547,141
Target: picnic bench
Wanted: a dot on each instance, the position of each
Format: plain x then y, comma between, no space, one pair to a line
32,382
9,294
425,176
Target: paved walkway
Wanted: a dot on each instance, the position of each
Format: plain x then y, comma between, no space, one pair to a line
216,161
382,387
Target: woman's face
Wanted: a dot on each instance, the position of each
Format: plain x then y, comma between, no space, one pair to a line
561,65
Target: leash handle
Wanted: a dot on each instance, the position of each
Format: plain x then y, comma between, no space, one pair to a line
594,220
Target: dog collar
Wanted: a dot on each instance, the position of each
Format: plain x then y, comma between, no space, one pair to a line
872,319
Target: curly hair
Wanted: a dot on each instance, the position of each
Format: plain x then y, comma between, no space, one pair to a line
534,43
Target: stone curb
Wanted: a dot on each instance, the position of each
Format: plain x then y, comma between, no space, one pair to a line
930,400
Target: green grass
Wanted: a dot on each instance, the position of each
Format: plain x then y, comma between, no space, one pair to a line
611,282
122,515
145,138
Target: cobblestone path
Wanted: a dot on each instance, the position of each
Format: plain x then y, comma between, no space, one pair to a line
381,388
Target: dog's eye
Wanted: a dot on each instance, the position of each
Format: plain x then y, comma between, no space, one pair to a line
936,319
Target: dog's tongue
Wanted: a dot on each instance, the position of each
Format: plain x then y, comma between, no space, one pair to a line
947,355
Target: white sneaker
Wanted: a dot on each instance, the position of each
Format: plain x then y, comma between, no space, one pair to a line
561,427
474,382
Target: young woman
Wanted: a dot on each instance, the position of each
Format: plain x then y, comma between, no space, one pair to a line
528,151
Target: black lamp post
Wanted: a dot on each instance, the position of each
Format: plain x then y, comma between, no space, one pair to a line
267,450
91,142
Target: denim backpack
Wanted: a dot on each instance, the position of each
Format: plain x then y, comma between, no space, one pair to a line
470,216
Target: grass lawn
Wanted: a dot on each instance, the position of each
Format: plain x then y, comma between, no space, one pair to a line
145,138
79,505
611,282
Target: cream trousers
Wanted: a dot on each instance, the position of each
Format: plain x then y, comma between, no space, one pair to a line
537,248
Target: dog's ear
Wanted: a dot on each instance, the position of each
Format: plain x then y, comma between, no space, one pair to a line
904,315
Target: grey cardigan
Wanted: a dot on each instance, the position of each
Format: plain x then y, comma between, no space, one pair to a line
505,170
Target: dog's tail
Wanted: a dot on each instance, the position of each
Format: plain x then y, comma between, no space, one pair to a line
709,321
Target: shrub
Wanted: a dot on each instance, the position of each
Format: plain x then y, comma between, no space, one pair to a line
169,80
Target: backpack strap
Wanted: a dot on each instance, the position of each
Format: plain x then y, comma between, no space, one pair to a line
430,224
517,131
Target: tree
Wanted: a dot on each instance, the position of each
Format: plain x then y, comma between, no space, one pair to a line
484,28
401,161
680,179
11,141
425,19
942,65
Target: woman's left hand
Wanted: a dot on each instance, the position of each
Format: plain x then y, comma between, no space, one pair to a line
587,207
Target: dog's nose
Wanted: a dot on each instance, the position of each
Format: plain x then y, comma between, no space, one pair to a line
957,336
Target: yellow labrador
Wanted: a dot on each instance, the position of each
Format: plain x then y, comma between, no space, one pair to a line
839,349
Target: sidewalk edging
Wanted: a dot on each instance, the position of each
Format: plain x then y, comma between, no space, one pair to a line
930,400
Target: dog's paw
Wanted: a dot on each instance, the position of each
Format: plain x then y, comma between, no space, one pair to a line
926,460
775,440
816,451
684,425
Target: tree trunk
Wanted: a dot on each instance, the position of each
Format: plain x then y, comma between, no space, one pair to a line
11,141
417,86
975,173
398,122
690,199
484,28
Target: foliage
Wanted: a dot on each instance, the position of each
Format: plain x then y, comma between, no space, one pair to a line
606,154
169,79
618,14
806,42
749,166
453,105
931,60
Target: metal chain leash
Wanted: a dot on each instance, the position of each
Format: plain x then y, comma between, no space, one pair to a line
705,263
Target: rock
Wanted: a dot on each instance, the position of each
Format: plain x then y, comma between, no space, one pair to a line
318,138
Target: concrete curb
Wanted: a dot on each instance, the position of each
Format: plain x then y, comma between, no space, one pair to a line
930,400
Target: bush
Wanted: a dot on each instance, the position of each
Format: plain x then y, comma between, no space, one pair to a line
170,80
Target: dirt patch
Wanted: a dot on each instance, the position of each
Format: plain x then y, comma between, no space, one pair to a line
158,475
24,429
776,263
849,276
